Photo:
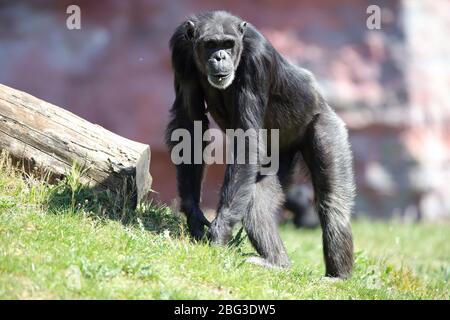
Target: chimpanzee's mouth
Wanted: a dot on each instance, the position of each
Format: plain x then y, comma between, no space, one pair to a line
220,77
221,80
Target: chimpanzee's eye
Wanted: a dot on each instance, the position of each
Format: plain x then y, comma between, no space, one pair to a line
228,44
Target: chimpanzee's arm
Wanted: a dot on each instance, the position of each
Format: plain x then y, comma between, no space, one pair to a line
187,108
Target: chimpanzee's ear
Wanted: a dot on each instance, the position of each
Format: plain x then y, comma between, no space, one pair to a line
190,29
242,26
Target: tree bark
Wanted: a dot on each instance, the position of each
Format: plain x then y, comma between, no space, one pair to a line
48,137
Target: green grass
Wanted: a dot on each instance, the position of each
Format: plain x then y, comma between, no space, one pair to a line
63,242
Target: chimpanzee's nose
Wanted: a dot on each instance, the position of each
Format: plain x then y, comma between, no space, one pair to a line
220,55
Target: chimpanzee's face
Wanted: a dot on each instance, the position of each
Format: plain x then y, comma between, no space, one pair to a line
217,50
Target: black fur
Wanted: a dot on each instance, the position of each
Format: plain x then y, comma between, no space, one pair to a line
267,92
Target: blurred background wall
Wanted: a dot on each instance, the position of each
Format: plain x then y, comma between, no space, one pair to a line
391,86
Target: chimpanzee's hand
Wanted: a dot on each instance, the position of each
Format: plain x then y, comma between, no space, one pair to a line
196,222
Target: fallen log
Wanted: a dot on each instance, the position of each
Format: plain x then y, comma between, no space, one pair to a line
45,136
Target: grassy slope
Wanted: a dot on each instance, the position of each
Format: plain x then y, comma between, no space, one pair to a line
53,247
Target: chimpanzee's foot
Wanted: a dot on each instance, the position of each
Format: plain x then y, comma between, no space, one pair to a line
264,263
219,233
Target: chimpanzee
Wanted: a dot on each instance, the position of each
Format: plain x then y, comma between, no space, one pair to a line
299,203
225,62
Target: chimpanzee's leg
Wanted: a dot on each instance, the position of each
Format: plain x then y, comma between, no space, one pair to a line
327,154
261,224
261,221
